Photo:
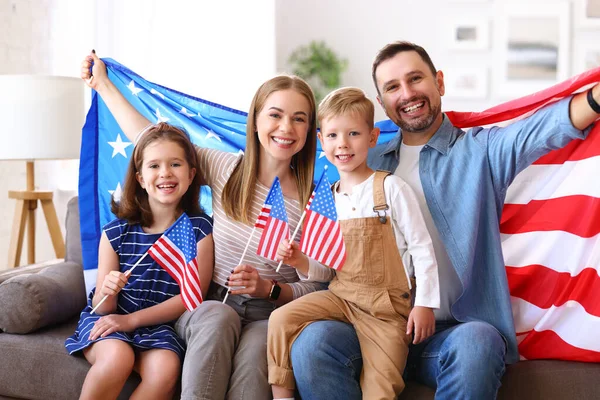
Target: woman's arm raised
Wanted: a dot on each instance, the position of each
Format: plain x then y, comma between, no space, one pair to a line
128,118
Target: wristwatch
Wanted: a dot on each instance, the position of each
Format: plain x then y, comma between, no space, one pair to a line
275,290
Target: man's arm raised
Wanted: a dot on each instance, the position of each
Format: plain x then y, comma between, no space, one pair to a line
581,113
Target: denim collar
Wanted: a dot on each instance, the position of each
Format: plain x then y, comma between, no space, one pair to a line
440,141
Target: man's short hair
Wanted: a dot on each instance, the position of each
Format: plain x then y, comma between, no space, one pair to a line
390,50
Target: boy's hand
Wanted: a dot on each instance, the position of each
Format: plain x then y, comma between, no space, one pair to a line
291,255
422,321
113,283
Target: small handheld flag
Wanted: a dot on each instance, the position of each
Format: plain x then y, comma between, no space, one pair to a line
276,227
176,252
322,235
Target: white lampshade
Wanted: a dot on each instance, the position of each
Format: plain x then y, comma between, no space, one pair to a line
41,117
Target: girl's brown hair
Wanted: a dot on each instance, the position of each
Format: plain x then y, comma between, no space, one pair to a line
133,205
239,189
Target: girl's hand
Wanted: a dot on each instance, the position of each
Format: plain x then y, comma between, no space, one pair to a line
112,323
114,281
245,279
423,322
98,71
291,255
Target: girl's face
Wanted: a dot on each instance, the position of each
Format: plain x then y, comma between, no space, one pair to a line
165,173
283,124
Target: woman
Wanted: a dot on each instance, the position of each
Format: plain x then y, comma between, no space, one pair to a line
226,353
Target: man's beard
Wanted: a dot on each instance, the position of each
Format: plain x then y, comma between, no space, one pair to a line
422,123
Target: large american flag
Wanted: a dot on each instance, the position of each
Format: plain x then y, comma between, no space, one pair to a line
550,230
276,227
552,267
176,252
322,237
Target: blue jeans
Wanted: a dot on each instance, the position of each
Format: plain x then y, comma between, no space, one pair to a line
460,361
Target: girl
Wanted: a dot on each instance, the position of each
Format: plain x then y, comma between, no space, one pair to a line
132,329
226,344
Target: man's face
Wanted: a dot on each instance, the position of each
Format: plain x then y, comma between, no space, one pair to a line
409,93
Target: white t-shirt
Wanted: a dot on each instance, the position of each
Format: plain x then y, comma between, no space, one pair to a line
412,238
450,287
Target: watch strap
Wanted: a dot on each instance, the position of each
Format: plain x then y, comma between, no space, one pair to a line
592,102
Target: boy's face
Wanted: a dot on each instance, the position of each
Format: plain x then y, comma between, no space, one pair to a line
346,140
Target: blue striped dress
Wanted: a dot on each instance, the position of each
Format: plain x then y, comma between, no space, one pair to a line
148,285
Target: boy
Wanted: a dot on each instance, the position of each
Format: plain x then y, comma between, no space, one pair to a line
373,289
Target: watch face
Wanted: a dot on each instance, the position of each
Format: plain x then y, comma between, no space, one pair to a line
275,292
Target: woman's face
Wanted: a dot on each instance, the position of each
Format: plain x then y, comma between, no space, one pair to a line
282,124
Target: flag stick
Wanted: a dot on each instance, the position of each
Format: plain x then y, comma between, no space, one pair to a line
294,235
128,273
241,259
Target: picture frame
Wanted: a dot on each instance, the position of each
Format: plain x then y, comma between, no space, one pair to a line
466,83
469,34
587,57
588,14
531,47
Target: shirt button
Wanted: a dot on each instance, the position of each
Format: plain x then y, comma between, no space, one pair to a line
405,295
353,209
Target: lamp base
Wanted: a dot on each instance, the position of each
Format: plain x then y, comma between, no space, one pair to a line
25,216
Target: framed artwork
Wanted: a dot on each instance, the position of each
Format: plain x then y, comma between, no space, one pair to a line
466,83
531,47
589,13
469,34
587,57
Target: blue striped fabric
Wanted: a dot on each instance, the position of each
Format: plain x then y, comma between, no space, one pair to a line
148,285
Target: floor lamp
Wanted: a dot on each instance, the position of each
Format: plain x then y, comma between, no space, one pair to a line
41,119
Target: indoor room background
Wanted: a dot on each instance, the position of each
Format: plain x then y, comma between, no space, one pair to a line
221,51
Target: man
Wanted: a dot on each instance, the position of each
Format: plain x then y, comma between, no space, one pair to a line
461,180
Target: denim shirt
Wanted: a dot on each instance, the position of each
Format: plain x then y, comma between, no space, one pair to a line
465,176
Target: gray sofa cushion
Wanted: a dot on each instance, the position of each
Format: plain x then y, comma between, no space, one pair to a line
51,296
37,366
73,235
535,380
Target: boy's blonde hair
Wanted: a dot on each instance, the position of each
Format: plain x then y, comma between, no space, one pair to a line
347,100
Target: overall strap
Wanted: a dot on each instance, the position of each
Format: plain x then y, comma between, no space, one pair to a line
380,205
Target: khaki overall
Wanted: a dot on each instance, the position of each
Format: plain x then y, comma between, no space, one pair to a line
370,292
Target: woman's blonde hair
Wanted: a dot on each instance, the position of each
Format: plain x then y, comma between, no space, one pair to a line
239,189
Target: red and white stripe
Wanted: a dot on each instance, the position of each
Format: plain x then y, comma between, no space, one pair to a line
322,239
275,231
550,230
261,220
168,256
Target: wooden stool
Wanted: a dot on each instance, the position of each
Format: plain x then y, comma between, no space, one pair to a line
25,215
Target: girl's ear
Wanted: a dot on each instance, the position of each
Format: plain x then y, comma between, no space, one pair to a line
192,174
140,179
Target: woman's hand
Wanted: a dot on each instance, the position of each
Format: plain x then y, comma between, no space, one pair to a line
421,320
98,75
113,282
112,323
291,255
244,279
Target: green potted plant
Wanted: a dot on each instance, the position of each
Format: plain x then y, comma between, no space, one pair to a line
320,66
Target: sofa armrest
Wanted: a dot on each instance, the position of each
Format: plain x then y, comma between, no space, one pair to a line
27,269
31,301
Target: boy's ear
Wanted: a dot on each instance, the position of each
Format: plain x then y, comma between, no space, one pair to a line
374,136
140,179
320,136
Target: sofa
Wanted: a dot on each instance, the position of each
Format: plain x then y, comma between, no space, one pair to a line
40,305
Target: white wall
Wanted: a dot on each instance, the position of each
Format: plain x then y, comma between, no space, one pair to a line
40,37
218,50
357,29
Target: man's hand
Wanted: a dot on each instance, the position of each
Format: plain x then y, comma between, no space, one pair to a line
422,321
